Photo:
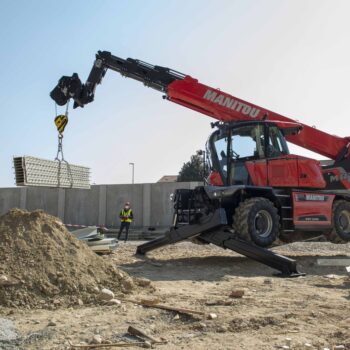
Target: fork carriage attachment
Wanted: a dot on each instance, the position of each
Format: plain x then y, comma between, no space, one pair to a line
196,217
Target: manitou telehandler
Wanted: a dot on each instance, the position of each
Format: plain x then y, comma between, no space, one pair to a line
258,192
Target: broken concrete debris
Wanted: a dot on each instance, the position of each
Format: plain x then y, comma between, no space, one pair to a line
96,339
106,294
212,316
113,302
8,331
94,237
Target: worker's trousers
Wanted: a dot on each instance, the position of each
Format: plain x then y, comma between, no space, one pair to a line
123,225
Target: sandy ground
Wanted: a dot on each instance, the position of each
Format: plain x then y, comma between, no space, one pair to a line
314,309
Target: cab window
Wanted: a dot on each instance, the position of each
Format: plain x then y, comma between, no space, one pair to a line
276,144
221,149
248,142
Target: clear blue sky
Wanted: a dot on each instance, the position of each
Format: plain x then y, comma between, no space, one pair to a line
289,56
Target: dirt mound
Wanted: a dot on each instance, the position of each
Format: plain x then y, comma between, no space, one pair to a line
43,265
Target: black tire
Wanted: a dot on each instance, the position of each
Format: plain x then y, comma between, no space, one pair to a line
341,222
257,220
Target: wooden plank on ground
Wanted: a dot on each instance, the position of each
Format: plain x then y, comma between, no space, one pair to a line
165,307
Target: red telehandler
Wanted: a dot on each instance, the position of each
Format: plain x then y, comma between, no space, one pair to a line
258,192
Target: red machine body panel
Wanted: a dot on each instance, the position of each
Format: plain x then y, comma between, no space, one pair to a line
215,179
312,209
286,171
283,172
310,173
337,175
257,171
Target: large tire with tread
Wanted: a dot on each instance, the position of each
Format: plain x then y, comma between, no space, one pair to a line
256,219
341,222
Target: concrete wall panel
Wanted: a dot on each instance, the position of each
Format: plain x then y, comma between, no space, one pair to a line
42,198
99,205
82,206
117,195
9,198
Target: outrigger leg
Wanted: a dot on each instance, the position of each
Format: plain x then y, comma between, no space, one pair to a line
212,229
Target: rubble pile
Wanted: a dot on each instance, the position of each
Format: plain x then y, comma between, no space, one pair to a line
43,265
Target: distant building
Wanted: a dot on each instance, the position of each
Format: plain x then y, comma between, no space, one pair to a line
168,178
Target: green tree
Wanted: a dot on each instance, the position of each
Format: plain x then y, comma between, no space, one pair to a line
194,170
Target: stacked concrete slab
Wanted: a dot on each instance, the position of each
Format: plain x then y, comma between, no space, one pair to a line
32,171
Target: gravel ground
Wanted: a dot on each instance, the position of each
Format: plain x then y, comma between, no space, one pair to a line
313,309
9,337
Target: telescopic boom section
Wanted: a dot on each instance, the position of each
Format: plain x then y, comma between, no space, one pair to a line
217,104
188,92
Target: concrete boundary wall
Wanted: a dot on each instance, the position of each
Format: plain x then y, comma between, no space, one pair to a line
99,205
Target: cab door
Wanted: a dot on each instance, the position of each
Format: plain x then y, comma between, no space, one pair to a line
282,168
247,163
257,170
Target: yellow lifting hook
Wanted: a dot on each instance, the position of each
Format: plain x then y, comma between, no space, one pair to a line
61,121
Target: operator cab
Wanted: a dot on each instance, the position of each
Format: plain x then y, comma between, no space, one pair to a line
235,145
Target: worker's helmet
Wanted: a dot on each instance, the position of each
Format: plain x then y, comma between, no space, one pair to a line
127,203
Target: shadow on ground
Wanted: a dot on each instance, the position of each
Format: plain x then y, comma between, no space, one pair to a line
215,268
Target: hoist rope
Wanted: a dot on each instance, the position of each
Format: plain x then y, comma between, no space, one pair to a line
60,155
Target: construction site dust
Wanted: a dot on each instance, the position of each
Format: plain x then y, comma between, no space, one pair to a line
55,293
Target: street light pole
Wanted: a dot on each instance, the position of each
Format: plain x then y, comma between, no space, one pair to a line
133,169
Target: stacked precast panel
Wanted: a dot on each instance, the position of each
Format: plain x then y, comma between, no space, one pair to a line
31,171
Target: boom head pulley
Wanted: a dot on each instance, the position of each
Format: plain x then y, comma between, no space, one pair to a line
156,77
71,87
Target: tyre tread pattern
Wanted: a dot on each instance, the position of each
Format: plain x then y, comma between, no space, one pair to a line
241,217
333,236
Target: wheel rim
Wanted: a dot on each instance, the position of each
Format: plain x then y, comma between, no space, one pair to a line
344,221
263,223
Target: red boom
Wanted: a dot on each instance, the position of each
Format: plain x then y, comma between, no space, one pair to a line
222,106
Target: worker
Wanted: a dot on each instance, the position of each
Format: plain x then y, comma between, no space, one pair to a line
126,216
